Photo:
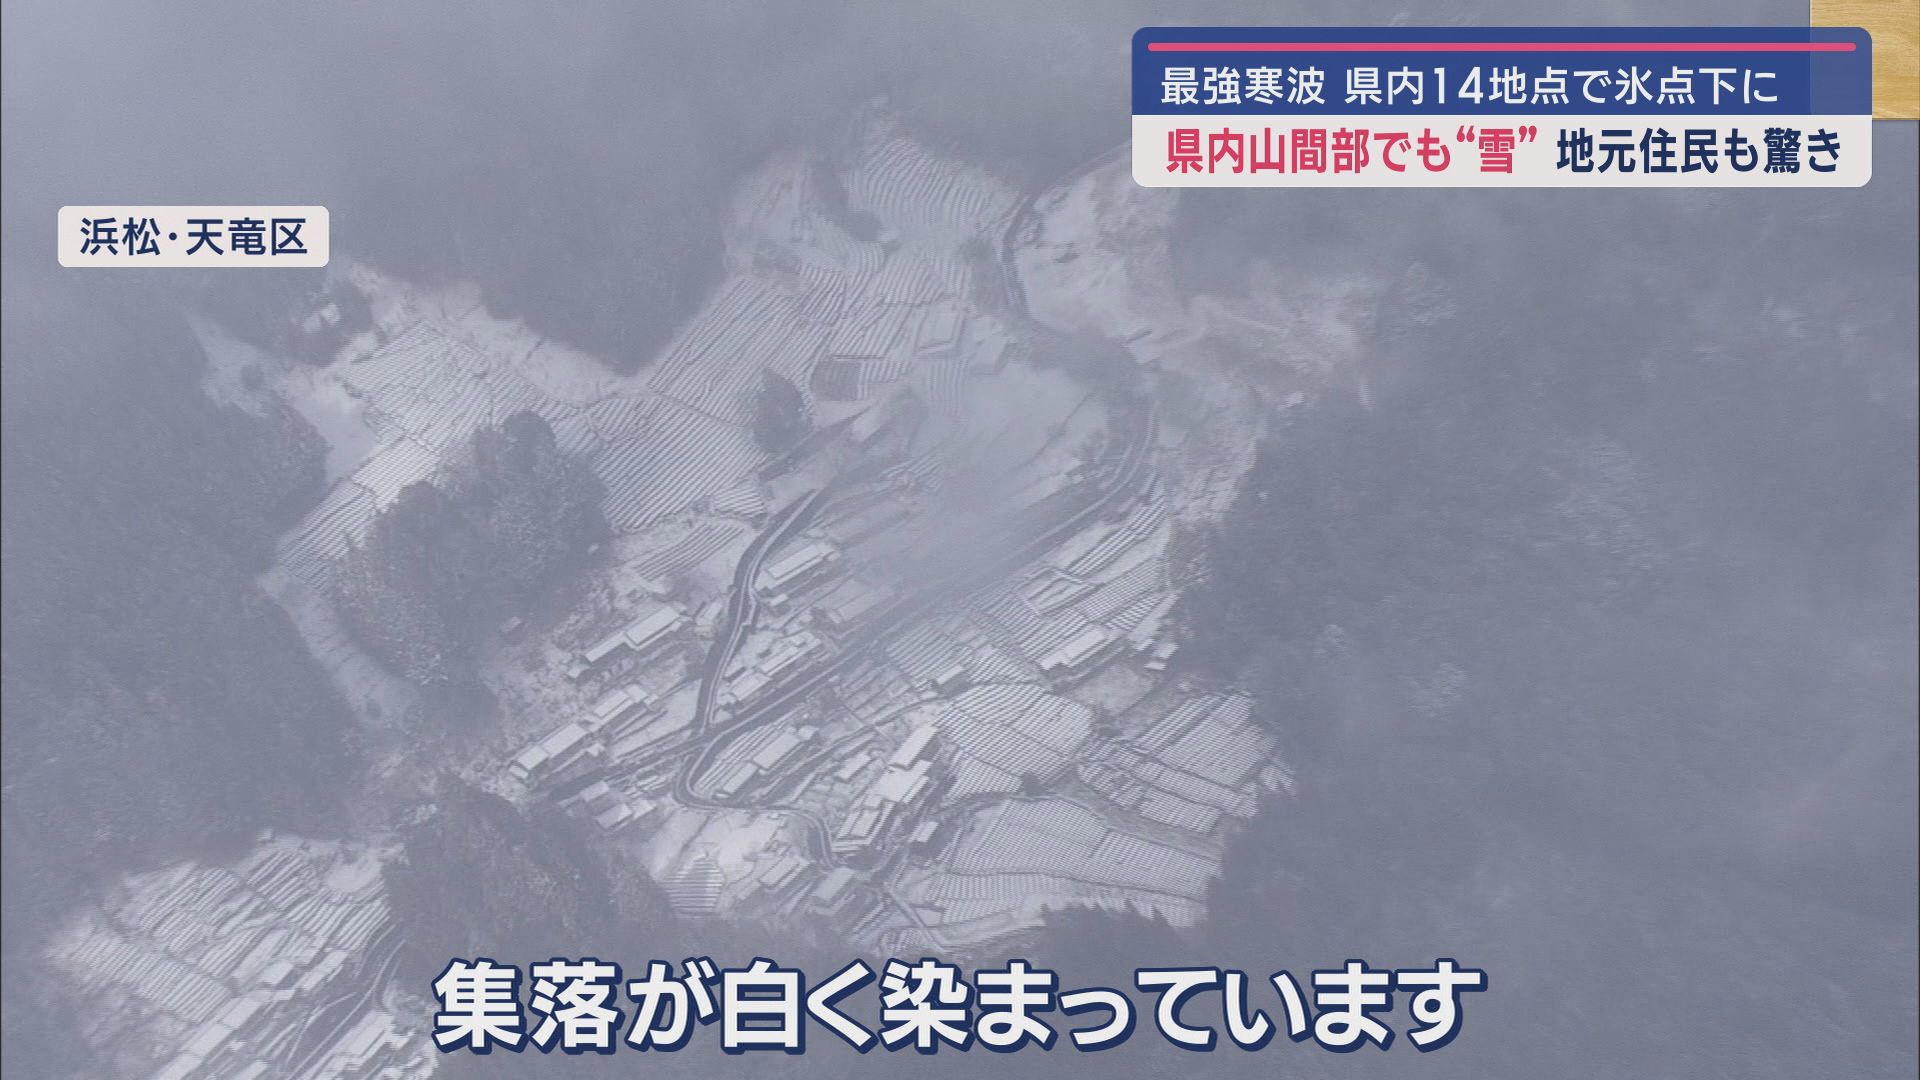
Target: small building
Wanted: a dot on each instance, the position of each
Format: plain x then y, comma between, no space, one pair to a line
859,830
322,972
898,787
209,1039
1081,654
951,681
734,779
596,797
617,708
324,316
1159,655
614,817
777,751
796,568
276,975
836,891
562,747
595,656
895,789
780,660
925,836
745,690
637,638
919,743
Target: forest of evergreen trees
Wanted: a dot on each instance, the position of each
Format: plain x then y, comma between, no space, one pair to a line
448,562
138,512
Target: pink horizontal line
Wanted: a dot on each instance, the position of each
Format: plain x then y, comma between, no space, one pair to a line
1500,46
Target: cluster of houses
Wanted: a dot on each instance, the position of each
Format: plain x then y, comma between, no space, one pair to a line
638,638
619,711
901,785
839,804
218,972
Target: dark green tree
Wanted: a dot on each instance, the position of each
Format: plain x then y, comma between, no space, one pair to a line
445,564
780,417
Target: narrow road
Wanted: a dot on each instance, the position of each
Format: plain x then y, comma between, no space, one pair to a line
379,960
911,607
743,605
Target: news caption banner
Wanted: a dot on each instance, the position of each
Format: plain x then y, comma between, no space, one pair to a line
193,236
577,1006
1502,107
